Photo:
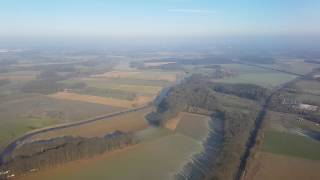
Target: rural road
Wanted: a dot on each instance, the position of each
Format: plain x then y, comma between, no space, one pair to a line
8,149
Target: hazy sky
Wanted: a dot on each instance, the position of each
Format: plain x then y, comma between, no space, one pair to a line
134,18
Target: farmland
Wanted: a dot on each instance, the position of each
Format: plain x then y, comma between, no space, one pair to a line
146,75
139,101
309,86
283,135
25,108
291,145
274,166
204,121
19,76
30,113
254,75
283,152
171,153
173,149
194,126
293,65
129,122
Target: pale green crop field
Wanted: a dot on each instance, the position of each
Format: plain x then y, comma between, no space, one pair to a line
291,145
121,85
256,75
309,86
158,159
298,67
124,87
159,155
19,116
194,126
281,136
268,80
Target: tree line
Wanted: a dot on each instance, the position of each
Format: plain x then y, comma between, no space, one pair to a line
48,153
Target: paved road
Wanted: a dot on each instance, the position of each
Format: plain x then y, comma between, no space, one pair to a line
16,142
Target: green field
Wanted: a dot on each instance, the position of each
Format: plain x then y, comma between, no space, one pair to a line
129,81
297,66
158,159
126,85
309,86
118,94
282,137
307,98
19,116
20,76
255,75
155,74
160,154
291,144
20,126
194,126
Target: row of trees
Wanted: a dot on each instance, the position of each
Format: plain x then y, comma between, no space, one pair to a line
47,153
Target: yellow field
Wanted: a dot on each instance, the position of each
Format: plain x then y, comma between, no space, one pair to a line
154,64
18,77
173,123
145,75
116,74
267,166
160,76
103,100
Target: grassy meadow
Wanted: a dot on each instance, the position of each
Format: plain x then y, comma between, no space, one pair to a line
255,75
291,145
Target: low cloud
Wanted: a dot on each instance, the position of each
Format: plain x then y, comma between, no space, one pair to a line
194,11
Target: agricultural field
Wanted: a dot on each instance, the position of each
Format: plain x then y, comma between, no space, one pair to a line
309,86
126,85
128,122
194,126
285,135
157,64
145,75
138,101
293,65
173,149
159,159
308,98
29,113
146,89
99,91
267,166
83,91
291,144
255,75
285,152
19,76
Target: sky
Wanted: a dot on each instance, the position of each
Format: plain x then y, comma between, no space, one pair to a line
158,18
